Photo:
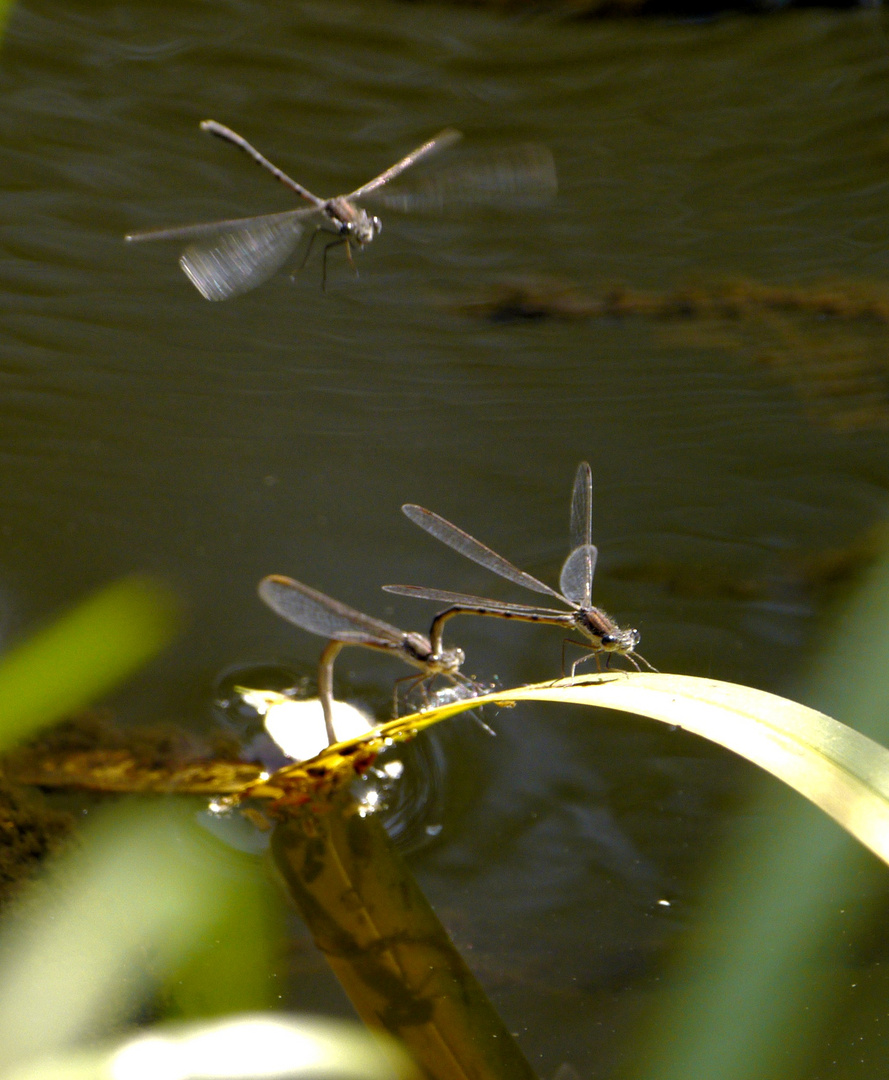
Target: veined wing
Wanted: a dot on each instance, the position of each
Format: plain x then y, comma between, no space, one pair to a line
582,507
467,545
437,143
236,260
321,614
227,258
457,599
519,176
576,580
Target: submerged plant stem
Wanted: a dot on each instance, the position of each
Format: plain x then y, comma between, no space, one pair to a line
386,946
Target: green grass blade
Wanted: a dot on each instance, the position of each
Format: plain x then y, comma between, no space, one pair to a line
95,939
6,7
769,981
82,655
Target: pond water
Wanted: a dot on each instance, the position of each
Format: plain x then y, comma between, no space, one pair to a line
730,176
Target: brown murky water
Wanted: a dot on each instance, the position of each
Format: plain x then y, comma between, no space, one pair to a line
718,179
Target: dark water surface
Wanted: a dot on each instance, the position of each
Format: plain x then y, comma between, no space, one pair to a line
142,428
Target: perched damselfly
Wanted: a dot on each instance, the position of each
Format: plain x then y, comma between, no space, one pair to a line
321,614
602,634
226,258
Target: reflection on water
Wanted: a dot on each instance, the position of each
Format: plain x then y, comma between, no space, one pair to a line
214,444
826,341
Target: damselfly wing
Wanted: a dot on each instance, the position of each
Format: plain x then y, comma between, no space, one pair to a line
602,634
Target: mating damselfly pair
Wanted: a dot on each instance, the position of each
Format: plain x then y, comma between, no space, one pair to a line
320,614
226,258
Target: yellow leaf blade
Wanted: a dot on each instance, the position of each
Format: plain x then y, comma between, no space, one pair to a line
843,772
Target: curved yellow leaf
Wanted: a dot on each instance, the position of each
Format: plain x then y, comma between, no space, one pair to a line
841,771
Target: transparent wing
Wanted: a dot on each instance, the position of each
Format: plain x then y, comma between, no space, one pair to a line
458,599
238,259
227,258
576,580
519,176
437,143
582,507
474,549
213,228
321,614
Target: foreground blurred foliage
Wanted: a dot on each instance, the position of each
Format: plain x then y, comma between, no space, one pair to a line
244,1045
788,910
75,659
152,908
110,923
83,655
148,905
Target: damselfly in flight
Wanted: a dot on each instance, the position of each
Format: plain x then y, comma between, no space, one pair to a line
321,614
226,258
576,582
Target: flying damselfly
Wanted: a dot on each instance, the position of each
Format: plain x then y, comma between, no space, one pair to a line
226,258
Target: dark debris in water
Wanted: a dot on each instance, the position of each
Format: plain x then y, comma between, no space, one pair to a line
91,752
828,342
541,298
30,831
518,301
155,746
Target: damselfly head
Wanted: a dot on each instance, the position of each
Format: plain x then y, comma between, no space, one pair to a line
365,227
351,221
620,641
450,661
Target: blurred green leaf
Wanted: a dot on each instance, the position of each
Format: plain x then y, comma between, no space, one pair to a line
83,655
234,969
266,1045
108,924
